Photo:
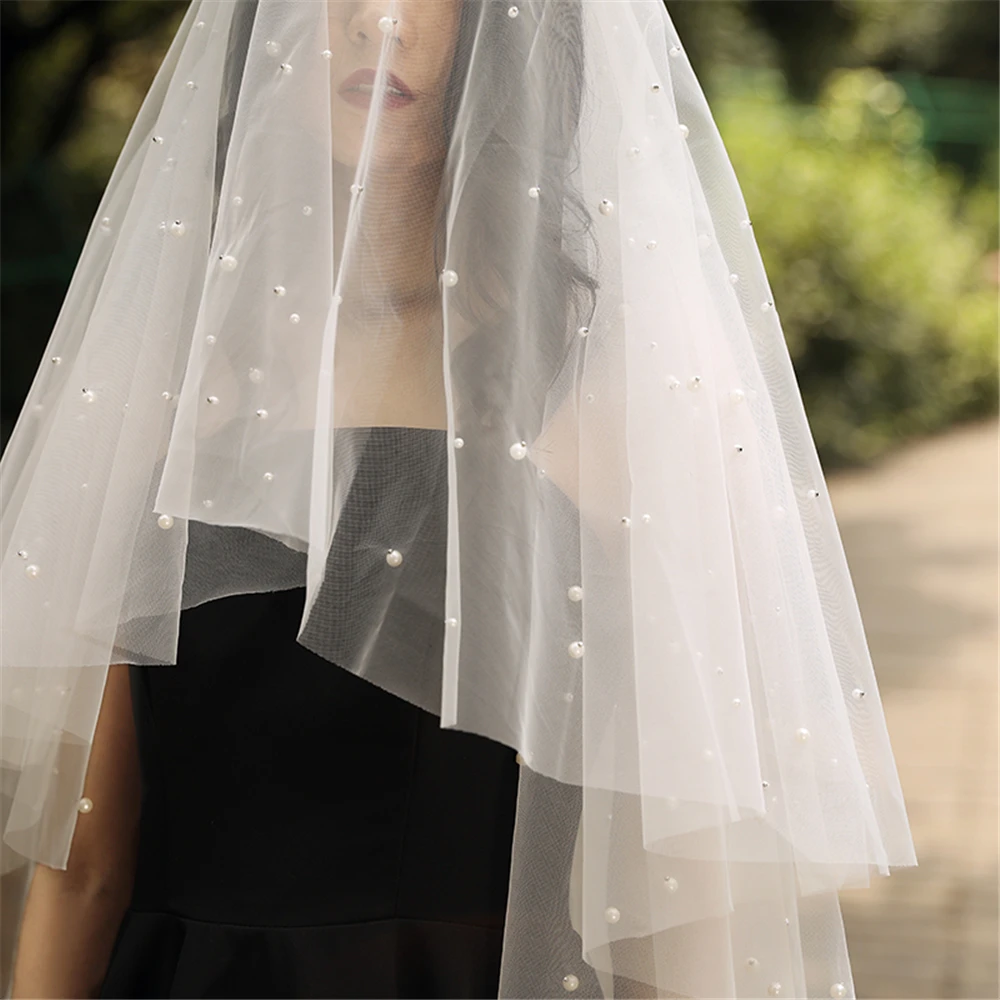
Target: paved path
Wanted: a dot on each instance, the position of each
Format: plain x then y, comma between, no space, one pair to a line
921,536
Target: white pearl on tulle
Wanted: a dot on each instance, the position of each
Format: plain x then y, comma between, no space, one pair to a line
158,139
178,228
576,649
262,413
838,990
191,85
449,279
228,262
161,227
752,963
583,331
273,48
568,696
612,915
326,54
570,983
738,448
22,553
685,131
673,383
165,521
459,442
105,225
675,50
766,306
286,68
394,557
655,88
606,207
575,593
813,493
210,339
208,503
199,25
307,210
774,990
85,805
802,734
268,477
694,383
590,397
237,200
646,518
166,395
737,702
518,450
858,694
32,571
357,188
255,374
734,279
534,192
634,152
451,622
213,400
512,12
295,318
670,883
280,290
386,24
56,359
745,224
88,395
765,784
737,395
651,245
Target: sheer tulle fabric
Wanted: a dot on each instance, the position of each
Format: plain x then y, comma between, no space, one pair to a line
544,253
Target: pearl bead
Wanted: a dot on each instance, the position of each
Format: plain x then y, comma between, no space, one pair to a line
575,593
449,279
286,68
519,759
105,224
655,88
165,521
752,963
459,442
612,915
451,622
85,805
766,306
583,331
210,339
357,188
568,696
606,206
199,25
634,152
208,503
774,990
213,400
745,224
646,518
534,192
326,54
590,397
675,50
32,571
814,493
627,522
307,210
56,360
166,395
685,131
737,702
158,139
512,12
279,290
273,48
262,413
178,228
295,318
518,450
22,553
88,395
838,990
672,383
576,650
191,85
255,374
570,983
268,477
734,279
228,262
802,734
858,694
694,383
670,884
737,395
394,557
237,200
386,24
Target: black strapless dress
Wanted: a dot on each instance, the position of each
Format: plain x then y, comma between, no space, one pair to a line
305,833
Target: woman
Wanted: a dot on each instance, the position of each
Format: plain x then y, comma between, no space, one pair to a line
419,400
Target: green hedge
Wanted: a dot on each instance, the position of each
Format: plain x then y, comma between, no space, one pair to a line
876,257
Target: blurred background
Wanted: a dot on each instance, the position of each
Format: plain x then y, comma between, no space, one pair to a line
864,134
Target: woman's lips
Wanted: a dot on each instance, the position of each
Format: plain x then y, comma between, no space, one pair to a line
357,90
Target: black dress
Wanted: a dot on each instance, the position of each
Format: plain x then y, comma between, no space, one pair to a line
305,833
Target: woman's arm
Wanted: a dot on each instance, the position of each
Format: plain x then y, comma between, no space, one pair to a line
71,917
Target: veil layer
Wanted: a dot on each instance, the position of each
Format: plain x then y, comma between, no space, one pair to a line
609,546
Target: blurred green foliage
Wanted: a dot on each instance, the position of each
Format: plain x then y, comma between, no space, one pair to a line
875,255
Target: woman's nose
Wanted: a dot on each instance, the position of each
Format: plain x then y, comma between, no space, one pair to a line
366,21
